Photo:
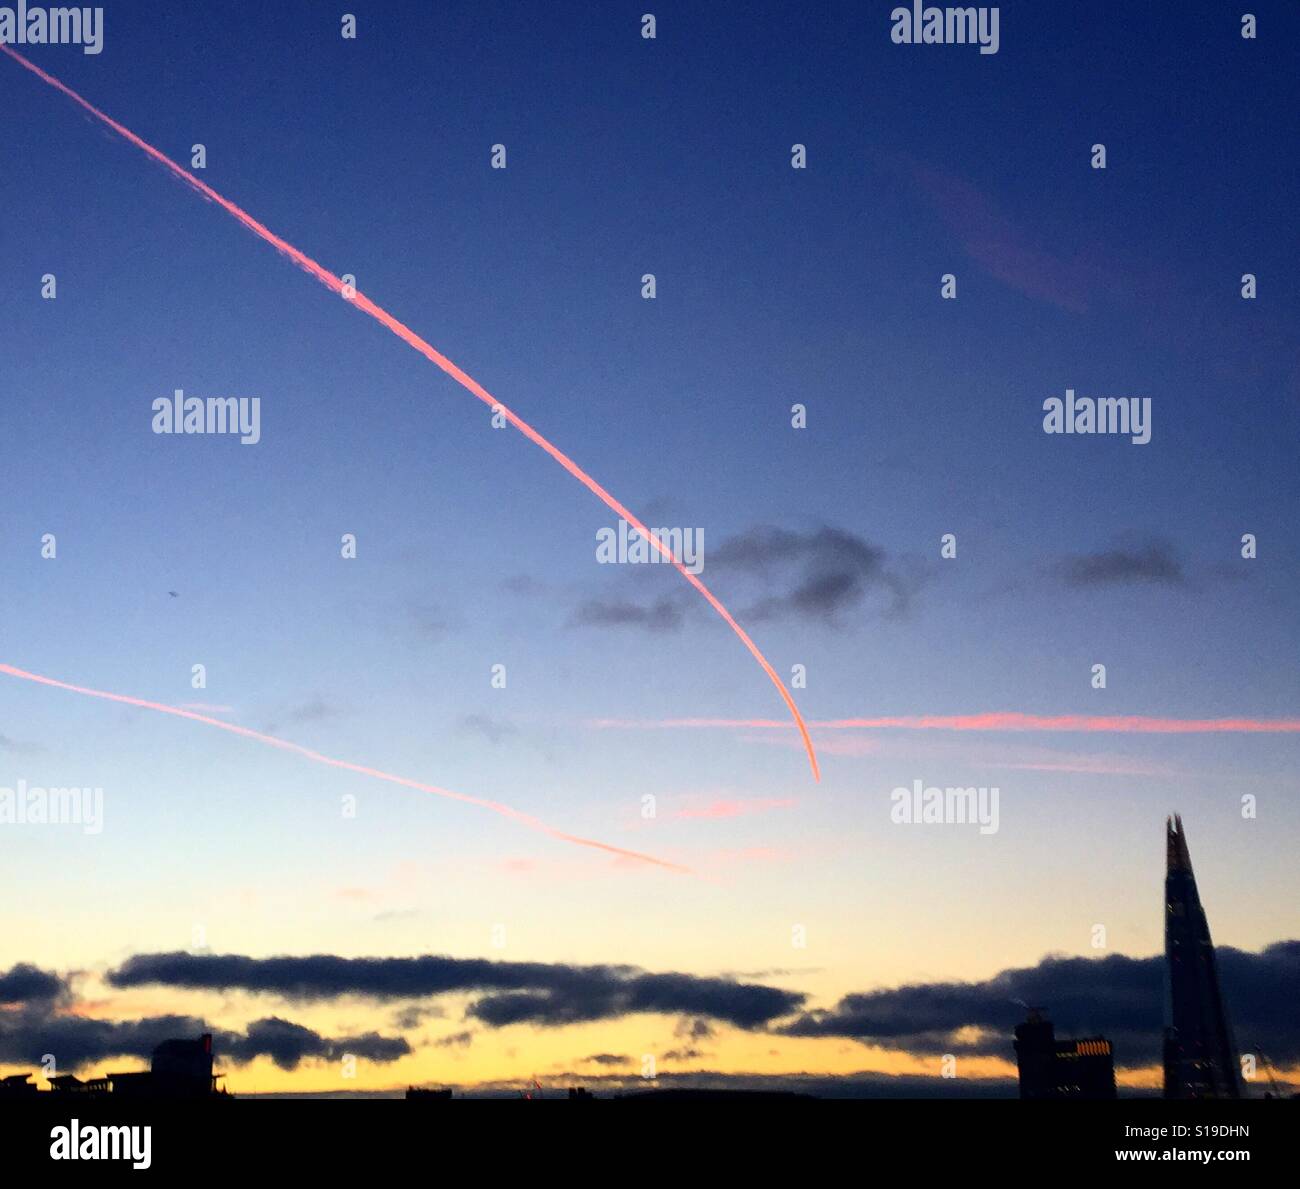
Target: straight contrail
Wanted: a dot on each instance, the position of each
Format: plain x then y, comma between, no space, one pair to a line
408,336
524,819
997,720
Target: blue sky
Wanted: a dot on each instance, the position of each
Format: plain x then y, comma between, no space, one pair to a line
775,286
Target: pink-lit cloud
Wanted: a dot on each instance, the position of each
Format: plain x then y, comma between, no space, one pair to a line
1006,251
831,745
731,807
1015,756
1096,765
996,720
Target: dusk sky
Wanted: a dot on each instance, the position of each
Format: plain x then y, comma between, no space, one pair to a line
775,286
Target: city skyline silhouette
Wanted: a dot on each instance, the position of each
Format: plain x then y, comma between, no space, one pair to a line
684,548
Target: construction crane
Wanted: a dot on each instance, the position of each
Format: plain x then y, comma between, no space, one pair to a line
1270,1069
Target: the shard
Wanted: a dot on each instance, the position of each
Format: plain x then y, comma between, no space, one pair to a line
1200,1060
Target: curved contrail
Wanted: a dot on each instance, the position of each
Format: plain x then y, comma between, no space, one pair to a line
408,336
524,819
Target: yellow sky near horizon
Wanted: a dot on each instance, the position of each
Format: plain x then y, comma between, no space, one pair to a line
516,1055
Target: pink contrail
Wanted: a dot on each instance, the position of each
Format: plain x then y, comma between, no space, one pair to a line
998,720
408,336
524,819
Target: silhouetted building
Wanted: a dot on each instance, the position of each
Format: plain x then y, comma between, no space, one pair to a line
580,1092
17,1085
179,1069
68,1084
420,1095
1200,1058
1051,1068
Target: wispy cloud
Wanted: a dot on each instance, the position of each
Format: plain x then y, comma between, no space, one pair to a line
524,585
485,726
1153,562
694,1028
731,807
995,720
605,1059
1003,248
19,747
831,745
311,711
663,615
686,1054
1103,765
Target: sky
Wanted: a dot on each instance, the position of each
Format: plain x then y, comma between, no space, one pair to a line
774,287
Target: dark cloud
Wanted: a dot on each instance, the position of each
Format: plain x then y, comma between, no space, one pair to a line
28,1037
1154,562
457,1040
486,727
518,992
663,615
25,983
747,1005
18,747
523,585
288,1044
1120,997
38,1023
606,1059
314,710
411,1017
428,619
819,574
1117,996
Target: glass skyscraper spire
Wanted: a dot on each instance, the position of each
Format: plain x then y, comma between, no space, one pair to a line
1199,1056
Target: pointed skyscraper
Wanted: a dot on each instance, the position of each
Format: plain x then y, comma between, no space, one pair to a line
1200,1060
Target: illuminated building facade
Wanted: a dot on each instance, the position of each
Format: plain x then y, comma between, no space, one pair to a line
1072,1069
